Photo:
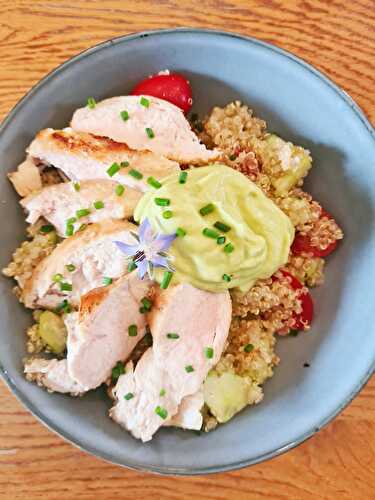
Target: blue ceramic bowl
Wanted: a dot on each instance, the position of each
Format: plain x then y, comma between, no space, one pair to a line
300,104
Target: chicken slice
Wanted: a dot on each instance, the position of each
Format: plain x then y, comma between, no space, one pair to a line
90,255
59,202
159,127
189,415
53,375
83,156
26,179
173,368
99,335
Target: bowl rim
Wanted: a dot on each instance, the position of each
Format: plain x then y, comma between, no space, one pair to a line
182,471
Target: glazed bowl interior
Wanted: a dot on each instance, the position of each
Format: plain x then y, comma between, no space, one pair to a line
300,105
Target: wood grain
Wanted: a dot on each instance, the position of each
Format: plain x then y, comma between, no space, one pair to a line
336,36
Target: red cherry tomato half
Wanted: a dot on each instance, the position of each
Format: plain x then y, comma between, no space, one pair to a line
173,88
305,317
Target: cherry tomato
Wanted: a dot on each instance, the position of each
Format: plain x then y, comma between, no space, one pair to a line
305,317
173,88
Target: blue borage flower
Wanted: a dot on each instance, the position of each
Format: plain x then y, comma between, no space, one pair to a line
149,250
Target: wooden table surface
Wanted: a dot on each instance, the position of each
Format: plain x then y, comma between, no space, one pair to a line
336,36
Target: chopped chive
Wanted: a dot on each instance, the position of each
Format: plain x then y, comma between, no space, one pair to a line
221,240
91,103
207,209
294,333
150,133
64,306
233,157
222,227
210,233
129,396
147,304
142,310
113,169
166,279
189,369
98,204
228,248
167,214
77,186
65,287
82,227
47,228
162,202
248,347
124,115
227,278
131,266
209,352
56,278
71,220
124,164
145,102
117,370
70,267
182,178
136,174
119,190
162,412
154,183
162,392
82,212
133,331
69,230
180,232
173,336
107,281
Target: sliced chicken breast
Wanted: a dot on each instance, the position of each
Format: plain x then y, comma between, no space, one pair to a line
26,179
156,125
53,375
82,156
59,202
189,328
106,329
189,415
78,265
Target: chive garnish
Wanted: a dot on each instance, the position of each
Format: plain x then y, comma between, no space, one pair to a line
124,115
107,281
182,178
162,202
145,102
209,352
173,336
222,227
119,190
131,266
128,396
98,204
69,230
227,278
47,228
133,331
117,370
210,233
162,412
147,304
166,280
189,369
221,240
150,133
77,186
64,306
70,267
124,164
180,232
228,248
65,287
91,103
113,169
167,214
232,157
136,174
207,209
82,212
162,392
71,220
56,278
248,347
154,183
